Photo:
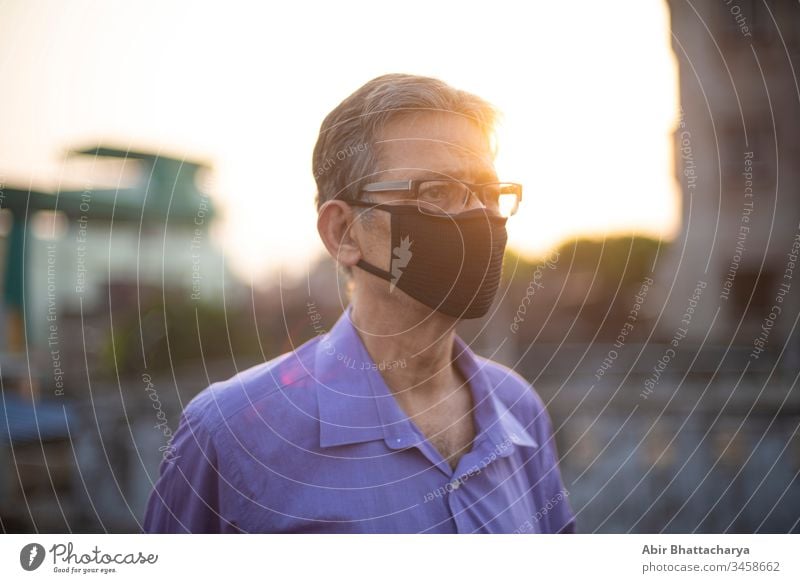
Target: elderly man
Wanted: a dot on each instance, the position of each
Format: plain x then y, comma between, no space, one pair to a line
388,422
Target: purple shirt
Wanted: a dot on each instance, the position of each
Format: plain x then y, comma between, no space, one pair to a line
314,441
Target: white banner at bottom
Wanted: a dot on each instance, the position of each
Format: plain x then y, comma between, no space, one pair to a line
389,558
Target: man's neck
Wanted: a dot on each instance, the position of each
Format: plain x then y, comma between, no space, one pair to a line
412,350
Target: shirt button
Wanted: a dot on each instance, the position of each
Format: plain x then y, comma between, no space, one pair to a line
455,484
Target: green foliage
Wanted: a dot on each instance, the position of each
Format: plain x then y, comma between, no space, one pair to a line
630,258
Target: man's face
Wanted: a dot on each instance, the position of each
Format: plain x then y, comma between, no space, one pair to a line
427,145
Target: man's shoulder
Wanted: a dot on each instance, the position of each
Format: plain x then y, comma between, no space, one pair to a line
521,399
513,390
223,400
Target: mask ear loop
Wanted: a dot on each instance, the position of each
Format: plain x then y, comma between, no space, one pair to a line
368,267
377,271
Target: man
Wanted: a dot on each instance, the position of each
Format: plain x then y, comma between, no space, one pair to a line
388,422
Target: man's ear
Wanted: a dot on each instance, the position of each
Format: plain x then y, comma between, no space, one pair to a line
335,222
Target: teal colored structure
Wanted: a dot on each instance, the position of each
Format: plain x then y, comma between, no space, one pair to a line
166,193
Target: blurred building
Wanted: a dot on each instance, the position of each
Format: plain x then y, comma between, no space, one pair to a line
68,255
89,276
737,150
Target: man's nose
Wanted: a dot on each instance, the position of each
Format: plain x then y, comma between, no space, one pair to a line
473,202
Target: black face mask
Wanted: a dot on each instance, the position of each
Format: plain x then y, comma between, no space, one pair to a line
450,263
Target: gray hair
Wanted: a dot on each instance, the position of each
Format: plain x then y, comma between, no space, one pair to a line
345,155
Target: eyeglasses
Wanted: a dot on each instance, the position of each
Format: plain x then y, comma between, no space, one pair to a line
452,196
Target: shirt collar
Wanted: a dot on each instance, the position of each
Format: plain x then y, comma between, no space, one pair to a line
356,405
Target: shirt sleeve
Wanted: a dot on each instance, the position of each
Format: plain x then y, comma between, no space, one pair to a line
561,520
188,495
555,508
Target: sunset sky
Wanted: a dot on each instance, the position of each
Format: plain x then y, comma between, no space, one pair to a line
588,92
